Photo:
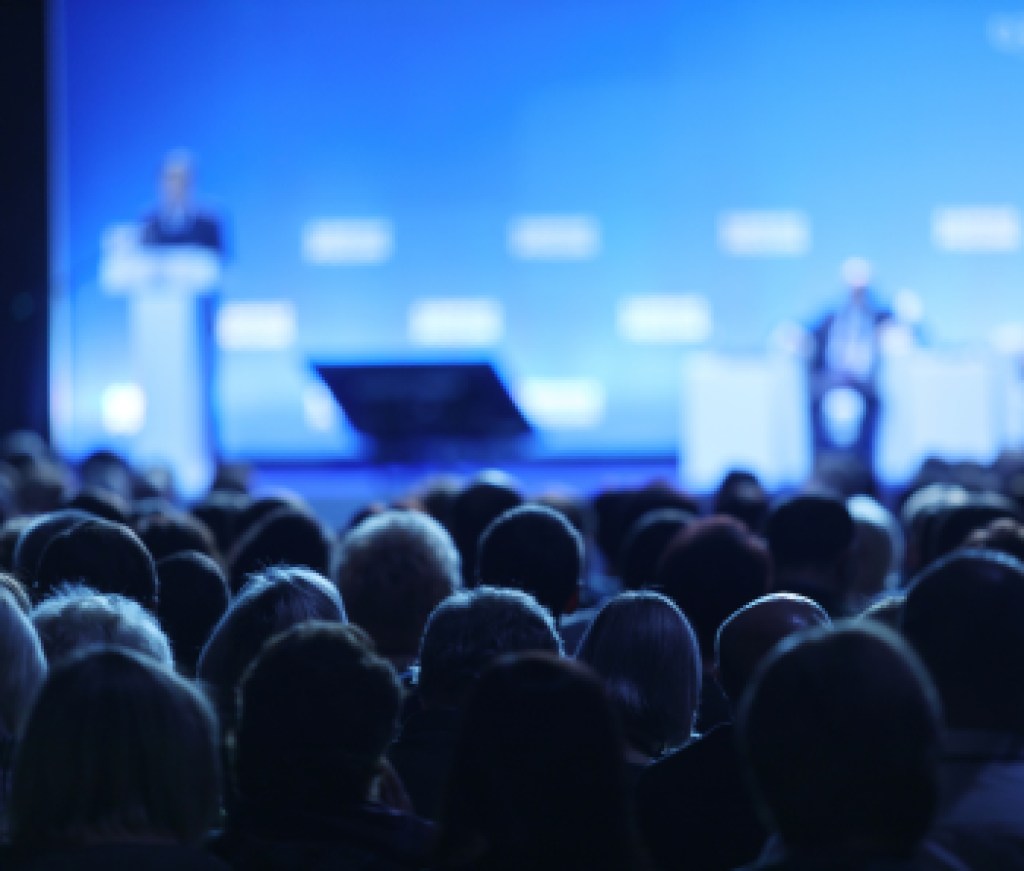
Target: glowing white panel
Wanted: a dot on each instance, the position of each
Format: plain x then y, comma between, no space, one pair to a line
554,237
563,403
1006,32
456,322
318,408
1008,338
265,325
664,319
976,228
347,240
123,409
771,233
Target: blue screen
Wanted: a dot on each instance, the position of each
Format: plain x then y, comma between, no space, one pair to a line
583,193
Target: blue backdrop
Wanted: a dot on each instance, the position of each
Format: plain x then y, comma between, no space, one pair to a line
646,125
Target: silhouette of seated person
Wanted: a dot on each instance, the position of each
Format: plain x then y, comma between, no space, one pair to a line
317,710
963,616
465,634
810,536
538,779
712,567
693,806
393,569
117,768
535,549
839,734
645,651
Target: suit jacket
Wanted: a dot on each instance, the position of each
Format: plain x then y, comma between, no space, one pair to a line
198,229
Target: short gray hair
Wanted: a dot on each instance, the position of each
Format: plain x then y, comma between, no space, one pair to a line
76,617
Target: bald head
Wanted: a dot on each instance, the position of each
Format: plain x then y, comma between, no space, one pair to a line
750,633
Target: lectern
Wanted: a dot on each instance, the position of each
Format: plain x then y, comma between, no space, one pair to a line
166,289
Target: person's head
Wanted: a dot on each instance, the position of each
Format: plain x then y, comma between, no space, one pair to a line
748,635
166,533
106,556
485,497
393,569
741,495
10,531
16,590
221,512
712,567
838,732
33,539
876,552
645,651
953,524
193,597
74,617
271,602
177,177
963,615
116,748
809,536
102,503
318,708
1003,535
472,628
856,273
537,779
646,542
286,536
24,665
533,548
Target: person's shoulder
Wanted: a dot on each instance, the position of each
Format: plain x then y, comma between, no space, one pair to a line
114,857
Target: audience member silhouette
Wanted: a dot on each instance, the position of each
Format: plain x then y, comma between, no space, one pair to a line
741,495
193,598
482,500
645,544
167,533
33,541
839,733
810,536
74,618
465,633
317,710
393,569
117,768
534,549
693,806
538,779
645,651
108,557
286,536
712,567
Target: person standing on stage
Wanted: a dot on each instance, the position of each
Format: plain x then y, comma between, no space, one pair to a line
843,376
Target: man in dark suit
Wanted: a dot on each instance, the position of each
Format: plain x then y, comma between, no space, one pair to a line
843,377
177,221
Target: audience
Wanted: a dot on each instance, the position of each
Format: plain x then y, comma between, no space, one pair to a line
465,634
837,758
393,569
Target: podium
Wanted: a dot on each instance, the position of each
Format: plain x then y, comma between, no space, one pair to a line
168,289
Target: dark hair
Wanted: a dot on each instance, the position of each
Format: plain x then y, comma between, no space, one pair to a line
271,602
811,529
644,649
839,733
12,585
33,541
288,536
193,598
108,557
538,779
1004,535
710,569
964,616
393,569
472,628
102,503
533,548
115,747
317,710
645,544
220,512
741,495
167,533
10,532
475,506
